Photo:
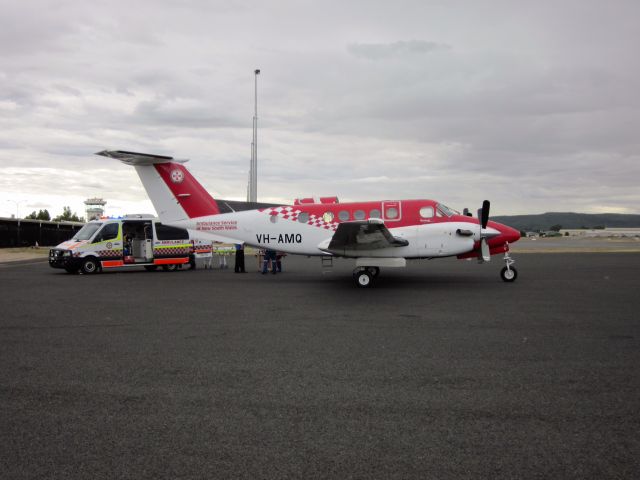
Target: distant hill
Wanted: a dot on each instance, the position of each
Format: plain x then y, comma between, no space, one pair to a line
544,221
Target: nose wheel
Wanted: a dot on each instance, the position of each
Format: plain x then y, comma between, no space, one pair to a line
508,273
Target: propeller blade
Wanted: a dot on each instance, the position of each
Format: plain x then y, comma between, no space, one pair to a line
484,255
485,213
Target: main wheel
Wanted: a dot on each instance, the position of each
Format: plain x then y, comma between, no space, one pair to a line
363,278
374,271
90,266
508,274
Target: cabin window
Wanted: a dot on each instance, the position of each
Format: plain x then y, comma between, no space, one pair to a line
328,217
359,214
343,215
392,212
303,217
426,212
375,213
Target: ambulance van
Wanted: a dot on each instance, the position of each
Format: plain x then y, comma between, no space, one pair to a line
129,241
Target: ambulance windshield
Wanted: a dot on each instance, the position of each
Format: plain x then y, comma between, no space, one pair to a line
86,232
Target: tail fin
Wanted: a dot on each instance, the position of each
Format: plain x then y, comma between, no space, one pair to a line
174,192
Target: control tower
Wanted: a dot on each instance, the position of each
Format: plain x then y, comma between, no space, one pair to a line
94,208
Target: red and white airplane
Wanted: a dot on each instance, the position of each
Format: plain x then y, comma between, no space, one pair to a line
376,234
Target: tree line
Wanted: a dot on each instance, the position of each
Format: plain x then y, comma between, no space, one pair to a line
65,216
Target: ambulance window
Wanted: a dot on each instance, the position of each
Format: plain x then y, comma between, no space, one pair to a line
426,212
303,217
327,217
343,215
375,213
86,232
108,232
164,232
359,215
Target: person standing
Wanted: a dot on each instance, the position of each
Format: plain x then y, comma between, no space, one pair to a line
239,268
269,258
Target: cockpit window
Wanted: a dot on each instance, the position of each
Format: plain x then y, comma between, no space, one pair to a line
446,211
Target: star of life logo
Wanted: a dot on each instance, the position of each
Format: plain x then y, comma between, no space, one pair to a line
177,176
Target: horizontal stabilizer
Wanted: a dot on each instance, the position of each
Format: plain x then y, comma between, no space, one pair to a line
134,158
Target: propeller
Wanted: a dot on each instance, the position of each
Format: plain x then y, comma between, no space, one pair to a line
484,255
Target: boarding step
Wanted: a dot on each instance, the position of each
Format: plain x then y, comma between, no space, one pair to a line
327,262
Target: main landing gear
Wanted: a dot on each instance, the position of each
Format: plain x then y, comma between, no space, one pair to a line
508,273
364,276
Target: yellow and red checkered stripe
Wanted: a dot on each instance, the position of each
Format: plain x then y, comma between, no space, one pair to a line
109,253
171,250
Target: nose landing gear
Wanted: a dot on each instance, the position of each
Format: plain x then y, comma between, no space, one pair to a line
508,273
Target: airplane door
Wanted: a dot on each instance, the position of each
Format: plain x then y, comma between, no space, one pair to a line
391,211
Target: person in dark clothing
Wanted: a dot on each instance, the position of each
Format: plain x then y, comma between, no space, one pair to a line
239,268
269,257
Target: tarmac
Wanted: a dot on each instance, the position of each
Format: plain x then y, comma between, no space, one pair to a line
441,370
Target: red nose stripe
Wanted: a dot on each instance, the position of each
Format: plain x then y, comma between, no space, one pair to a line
192,196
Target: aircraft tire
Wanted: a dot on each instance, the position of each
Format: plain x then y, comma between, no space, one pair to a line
508,274
90,266
363,278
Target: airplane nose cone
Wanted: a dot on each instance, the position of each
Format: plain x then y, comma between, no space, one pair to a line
509,234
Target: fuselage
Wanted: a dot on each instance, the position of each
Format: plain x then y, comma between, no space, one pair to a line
430,228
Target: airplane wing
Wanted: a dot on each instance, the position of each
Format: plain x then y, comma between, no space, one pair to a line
363,235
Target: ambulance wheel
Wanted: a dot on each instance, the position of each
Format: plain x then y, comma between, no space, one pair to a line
170,268
508,274
151,268
374,271
363,278
90,266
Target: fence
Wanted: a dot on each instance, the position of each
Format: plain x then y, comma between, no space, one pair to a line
25,233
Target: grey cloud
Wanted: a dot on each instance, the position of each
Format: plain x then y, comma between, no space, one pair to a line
182,112
542,109
378,51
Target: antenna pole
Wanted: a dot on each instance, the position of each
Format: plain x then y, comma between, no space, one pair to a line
253,171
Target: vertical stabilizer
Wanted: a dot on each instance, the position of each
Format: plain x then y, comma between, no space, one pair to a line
175,193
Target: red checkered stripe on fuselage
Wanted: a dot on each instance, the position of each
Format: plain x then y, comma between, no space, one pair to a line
292,213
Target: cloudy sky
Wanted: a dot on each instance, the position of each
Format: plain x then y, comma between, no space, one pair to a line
533,105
